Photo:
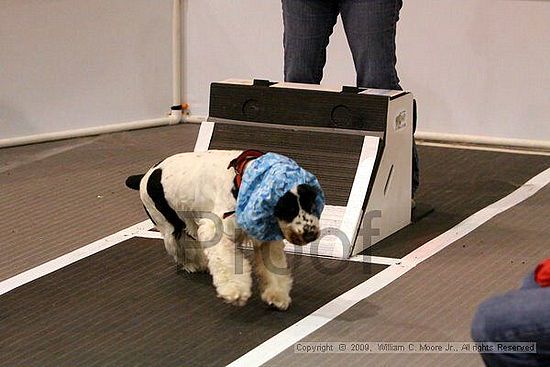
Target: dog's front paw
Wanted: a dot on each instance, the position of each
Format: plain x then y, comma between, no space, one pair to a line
234,293
276,298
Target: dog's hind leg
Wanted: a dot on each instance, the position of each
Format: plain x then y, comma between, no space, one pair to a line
229,268
172,240
171,245
273,273
163,214
191,257
189,254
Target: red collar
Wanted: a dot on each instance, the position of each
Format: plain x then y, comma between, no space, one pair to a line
240,162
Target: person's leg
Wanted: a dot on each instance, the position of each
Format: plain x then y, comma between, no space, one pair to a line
517,316
370,27
307,25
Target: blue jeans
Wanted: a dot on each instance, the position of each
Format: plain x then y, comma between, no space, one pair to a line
370,27
521,315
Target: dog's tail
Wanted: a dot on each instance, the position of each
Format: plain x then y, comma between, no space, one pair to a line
133,181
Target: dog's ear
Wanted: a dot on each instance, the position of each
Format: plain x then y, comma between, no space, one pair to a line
307,195
287,207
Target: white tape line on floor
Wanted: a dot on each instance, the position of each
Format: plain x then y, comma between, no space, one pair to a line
288,337
78,254
150,234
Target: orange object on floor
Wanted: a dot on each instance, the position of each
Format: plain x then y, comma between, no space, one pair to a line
542,273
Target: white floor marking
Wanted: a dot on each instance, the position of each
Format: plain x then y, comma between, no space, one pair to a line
288,337
380,260
483,148
149,234
375,259
67,259
359,258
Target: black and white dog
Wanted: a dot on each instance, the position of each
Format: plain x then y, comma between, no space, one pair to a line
192,198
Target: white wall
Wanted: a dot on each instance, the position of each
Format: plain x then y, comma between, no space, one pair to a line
68,64
477,67
243,39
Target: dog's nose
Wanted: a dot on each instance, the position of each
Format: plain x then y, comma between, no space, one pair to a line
310,234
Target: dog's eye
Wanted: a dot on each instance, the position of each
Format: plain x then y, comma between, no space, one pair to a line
307,196
287,207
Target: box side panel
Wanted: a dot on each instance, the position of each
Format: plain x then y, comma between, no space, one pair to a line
389,205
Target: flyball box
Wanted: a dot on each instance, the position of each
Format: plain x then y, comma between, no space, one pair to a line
357,141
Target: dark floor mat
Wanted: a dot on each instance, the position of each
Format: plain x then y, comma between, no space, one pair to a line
127,306
437,300
59,196
456,183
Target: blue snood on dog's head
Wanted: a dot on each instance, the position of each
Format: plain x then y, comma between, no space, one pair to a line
266,180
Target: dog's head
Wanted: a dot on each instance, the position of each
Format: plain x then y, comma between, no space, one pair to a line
296,215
